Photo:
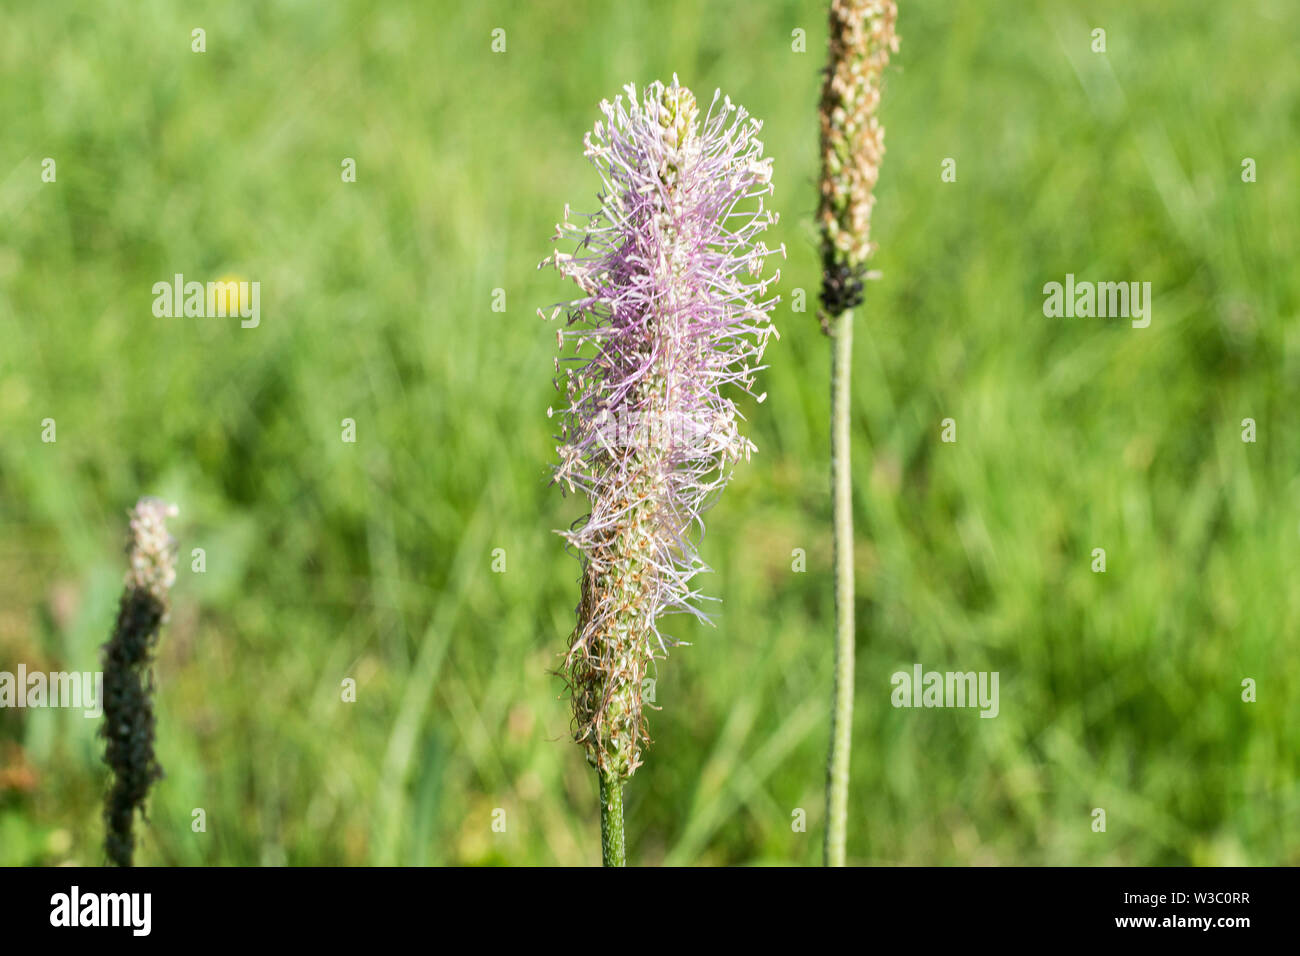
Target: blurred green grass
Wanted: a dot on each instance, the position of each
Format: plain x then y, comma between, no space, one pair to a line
373,561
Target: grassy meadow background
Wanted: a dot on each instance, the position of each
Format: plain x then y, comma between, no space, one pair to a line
373,560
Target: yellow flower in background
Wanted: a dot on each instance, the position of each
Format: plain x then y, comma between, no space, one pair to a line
226,296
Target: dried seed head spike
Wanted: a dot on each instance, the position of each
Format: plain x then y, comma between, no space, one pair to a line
128,725
852,143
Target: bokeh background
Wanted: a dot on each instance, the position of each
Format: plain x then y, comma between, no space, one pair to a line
373,560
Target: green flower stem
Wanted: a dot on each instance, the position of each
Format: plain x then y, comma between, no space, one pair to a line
837,765
613,852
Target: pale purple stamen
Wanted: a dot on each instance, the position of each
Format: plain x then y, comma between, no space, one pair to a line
674,316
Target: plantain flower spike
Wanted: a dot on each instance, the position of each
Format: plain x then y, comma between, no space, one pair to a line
852,143
672,321
128,684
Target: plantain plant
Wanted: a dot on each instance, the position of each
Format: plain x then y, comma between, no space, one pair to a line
852,145
128,726
672,320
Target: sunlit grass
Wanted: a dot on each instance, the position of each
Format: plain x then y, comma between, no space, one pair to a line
372,560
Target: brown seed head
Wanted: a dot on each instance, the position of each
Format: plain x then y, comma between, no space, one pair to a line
852,142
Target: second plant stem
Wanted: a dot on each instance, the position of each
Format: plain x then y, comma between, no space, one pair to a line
837,764
613,852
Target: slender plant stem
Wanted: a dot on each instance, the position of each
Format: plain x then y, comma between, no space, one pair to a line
611,820
837,764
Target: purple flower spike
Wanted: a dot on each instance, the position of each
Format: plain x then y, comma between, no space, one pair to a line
674,315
